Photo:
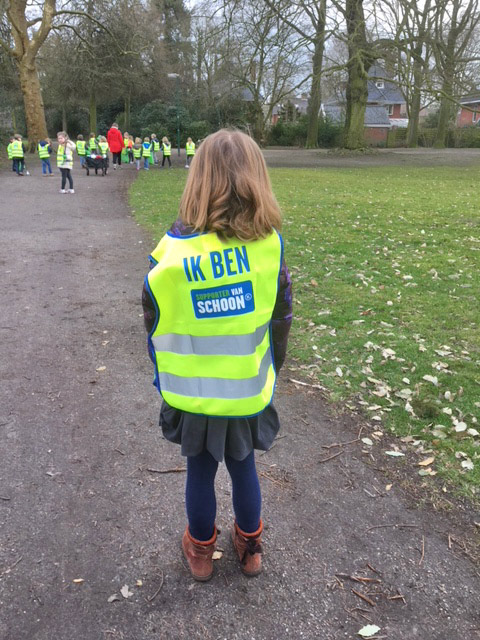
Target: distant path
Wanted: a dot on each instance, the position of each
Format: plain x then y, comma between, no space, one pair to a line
312,158
81,498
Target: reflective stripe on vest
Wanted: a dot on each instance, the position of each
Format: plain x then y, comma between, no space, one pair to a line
215,301
17,149
190,147
167,149
61,155
156,145
43,151
81,147
137,153
103,147
146,150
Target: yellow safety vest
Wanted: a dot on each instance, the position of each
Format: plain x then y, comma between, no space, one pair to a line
137,153
146,150
64,157
156,145
211,338
167,149
43,151
103,146
190,148
81,147
17,149
9,151
125,142
92,145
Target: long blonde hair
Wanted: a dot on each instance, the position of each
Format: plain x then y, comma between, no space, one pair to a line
228,189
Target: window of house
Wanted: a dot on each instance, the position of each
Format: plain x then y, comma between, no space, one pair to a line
380,84
474,116
390,109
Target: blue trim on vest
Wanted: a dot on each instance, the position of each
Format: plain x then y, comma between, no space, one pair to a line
151,348
152,260
186,237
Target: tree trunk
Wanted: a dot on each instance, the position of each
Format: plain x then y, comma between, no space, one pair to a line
414,119
92,107
443,117
315,100
33,101
359,61
14,119
127,110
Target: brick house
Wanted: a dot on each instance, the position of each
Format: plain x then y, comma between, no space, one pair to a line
469,113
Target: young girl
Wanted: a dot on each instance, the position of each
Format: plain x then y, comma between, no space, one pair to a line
137,152
217,308
65,160
167,151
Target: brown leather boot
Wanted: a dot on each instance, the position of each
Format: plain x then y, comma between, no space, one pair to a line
199,554
249,549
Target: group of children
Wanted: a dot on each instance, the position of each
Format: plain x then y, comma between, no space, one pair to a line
137,151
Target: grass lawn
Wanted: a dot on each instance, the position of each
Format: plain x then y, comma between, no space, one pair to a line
385,265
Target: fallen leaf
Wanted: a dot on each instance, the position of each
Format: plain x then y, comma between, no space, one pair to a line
394,454
126,593
367,441
217,555
460,426
113,597
388,487
139,583
368,631
102,368
426,462
432,379
78,580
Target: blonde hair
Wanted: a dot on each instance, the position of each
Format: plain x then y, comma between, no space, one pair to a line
138,140
228,189
64,134
146,139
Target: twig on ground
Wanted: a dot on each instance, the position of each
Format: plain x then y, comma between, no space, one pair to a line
372,569
175,470
331,457
151,598
121,452
4,498
12,566
382,526
423,551
346,576
363,597
398,597
359,609
306,384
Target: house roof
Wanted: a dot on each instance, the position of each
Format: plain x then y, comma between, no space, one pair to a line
389,94
375,116
474,96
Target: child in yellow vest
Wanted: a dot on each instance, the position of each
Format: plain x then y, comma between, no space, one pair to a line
167,151
65,160
189,152
137,152
217,308
44,149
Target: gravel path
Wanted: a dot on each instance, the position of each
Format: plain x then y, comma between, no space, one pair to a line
84,511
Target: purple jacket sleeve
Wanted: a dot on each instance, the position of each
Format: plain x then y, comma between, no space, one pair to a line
282,317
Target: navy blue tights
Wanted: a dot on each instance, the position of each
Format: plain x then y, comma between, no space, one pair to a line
200,498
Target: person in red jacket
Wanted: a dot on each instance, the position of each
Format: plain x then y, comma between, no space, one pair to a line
115,142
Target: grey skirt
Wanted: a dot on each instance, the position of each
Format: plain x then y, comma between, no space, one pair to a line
235,437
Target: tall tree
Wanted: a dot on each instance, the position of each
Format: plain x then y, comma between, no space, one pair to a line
309,18
455,25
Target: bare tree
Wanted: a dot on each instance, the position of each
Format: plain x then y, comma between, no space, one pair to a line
455,25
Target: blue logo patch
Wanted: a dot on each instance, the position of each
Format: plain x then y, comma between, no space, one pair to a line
228,300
